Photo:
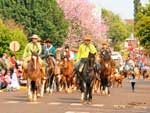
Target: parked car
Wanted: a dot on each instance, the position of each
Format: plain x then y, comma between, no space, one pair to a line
116,56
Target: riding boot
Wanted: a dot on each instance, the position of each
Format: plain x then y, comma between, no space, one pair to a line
81,67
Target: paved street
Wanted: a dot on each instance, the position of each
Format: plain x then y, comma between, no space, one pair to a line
122,100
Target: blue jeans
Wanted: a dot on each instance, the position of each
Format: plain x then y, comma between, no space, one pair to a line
78,64
83,61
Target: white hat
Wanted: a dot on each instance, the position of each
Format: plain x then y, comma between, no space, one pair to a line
35,37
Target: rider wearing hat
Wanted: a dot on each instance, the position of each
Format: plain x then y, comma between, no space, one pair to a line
83,53
67,53
50,50
33,46
105,49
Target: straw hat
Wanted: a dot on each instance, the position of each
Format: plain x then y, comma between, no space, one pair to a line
87,38
35,37
104,43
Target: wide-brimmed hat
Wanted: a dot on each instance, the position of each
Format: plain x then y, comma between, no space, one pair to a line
104,43
66,46
48,41
87,38
35,37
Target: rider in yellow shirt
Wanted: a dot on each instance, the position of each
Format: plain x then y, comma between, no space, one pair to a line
83,53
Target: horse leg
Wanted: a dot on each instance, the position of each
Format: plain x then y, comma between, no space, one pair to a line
85,91
52,84
42,87
34,90
35,95
57,83
82,90
29,89
90,93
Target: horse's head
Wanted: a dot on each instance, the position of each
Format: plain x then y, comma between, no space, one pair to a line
65,62
34,59
106,56
49,61
91,58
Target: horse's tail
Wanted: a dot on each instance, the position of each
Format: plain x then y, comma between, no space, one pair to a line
33,85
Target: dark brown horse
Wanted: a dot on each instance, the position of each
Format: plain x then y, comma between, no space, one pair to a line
53,74
34,75
87,77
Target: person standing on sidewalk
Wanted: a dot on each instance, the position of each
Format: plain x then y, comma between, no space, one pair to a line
132,80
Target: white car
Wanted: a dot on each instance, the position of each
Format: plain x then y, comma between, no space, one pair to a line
116,56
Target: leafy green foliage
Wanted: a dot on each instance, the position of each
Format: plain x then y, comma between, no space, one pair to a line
118,30
8,35
137,5
41,17
142,26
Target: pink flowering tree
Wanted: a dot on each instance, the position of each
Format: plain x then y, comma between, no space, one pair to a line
83,21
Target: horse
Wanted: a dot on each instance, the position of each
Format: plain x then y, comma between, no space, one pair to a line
105,73
116,77
87,77
67,70
52,72
34,75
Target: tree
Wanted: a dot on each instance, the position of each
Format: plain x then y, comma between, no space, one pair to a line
137,5
143,26
7,35
80,13
42,17
118,30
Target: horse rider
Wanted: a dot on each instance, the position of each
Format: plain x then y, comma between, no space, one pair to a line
83,53
67,53
105,50
43,44
33,46
50,50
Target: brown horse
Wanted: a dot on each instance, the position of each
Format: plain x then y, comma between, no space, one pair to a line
116,77
53,74
34,75
67,74
105,74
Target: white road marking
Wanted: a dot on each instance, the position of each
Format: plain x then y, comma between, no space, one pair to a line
54,103
97,105
11,102
76,104
119,106
76,112
33,102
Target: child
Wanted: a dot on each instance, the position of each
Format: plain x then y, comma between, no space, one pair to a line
14,80
132,80
8,81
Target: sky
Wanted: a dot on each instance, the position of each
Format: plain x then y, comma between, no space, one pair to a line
124,8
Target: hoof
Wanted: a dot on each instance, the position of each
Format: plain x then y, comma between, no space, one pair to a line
90,102
39,95
109,94
30,98
82,96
